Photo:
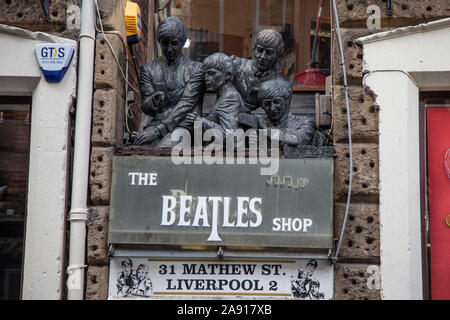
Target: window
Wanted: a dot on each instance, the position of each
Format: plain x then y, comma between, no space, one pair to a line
229,26
14,158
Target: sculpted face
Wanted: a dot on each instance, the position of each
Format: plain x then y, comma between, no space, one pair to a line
171,48
214,79
314,289
275,108
265,57
141,273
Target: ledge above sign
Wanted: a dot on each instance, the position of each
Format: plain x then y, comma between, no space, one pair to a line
154,201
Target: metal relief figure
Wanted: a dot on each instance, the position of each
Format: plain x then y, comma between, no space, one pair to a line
224,115
143,284
268,48
171,85
125,278
274,96
304,285
134,282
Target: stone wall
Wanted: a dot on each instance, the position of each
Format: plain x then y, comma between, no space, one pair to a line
108,104
62,19
360,251
108,127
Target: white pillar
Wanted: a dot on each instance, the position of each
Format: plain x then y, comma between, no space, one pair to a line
400,225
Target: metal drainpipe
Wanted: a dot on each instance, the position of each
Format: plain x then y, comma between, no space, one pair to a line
78,211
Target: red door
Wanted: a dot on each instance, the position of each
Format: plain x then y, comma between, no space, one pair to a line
438,152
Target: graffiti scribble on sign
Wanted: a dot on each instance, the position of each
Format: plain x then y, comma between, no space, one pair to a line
276,181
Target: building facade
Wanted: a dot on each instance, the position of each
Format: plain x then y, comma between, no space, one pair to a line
396,75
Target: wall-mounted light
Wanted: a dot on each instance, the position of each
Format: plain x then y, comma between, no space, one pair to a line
1,117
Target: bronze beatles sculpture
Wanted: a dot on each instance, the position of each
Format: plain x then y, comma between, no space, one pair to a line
172,89
169,84
224,115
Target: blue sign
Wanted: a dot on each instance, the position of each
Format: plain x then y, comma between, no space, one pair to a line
54,60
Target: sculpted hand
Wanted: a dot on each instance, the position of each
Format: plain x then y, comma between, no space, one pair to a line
290,139
146,136
192,117
158,97
261,124
253,139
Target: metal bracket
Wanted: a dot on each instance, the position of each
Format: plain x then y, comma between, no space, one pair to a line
220,253
45,7
111,250
323,108
389,11
331,256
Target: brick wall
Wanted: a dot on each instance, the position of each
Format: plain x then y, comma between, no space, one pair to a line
361,243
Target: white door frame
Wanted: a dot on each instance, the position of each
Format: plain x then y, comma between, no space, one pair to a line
43,270
399,64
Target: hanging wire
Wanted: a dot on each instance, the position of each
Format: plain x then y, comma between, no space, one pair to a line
128,112
347,207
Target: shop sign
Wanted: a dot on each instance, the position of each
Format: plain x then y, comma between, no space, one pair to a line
154,201
305,279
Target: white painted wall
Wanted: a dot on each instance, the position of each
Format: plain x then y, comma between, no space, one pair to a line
401,63
47,194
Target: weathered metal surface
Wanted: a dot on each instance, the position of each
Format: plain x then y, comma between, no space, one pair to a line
222,204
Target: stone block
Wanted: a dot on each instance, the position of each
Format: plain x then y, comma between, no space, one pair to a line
353,55
356,282
363,114
365,170
30,14
112,13
361,240
353,13
108,117
101,175
97,283
98,237
107,73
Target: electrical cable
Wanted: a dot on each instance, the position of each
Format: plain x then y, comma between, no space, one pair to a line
124,76
112,50
347,207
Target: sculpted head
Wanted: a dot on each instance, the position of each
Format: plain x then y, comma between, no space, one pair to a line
171,35
218,70
127,264
141,271
311,266
314,287
274,96
267,49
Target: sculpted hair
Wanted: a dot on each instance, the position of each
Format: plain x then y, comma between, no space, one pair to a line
270,38
127,262
275,88
171,28
219,61
312,262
